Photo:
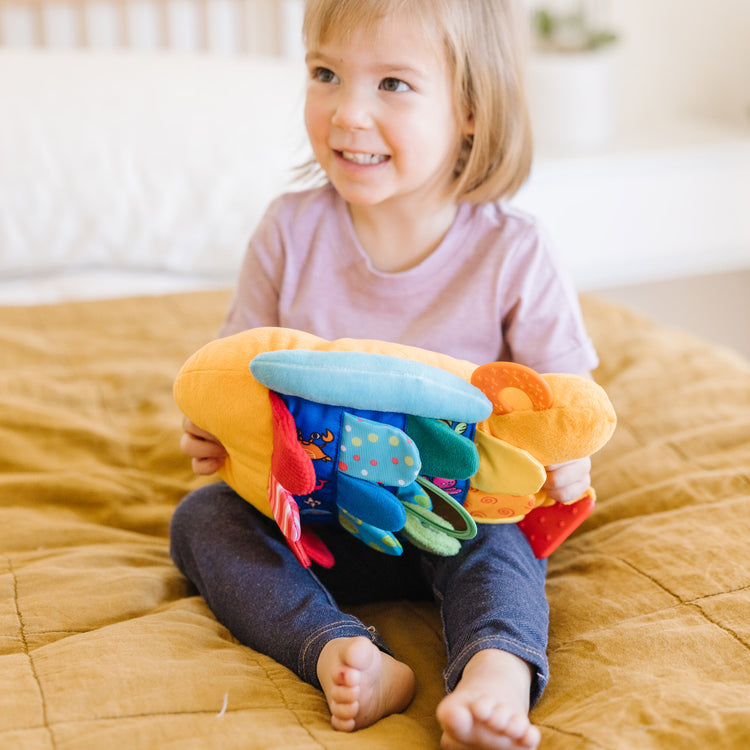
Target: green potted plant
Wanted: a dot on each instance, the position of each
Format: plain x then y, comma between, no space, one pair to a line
572,78
574,31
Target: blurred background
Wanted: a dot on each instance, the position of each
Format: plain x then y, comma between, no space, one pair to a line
641,112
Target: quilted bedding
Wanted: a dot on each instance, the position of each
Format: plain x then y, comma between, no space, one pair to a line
104,645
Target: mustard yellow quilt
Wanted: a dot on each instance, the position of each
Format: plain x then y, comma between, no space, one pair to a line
103,644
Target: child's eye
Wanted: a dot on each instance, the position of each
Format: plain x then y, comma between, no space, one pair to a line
323,75
394,85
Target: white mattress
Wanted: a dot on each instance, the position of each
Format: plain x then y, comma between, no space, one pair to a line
92,284
135,172
141,173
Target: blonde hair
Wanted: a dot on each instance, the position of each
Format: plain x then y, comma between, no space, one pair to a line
484,46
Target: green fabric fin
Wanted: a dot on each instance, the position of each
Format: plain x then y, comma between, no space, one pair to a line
448,509
444,453
429,538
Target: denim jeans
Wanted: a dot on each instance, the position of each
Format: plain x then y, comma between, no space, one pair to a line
491,594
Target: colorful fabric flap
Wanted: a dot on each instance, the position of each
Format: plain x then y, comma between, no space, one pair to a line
363,380
430,537
505,469
377,452
444,505
379,539
444,452
370,503
290,463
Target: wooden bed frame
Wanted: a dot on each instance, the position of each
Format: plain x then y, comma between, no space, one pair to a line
248,27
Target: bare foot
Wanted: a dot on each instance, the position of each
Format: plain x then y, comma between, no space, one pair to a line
489,709
361,683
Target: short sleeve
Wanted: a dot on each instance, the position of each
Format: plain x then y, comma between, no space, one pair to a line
543,325
256,297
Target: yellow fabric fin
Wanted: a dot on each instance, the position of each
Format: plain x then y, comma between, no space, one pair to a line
504,469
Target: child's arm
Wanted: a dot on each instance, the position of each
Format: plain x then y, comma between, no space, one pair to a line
206,452
567,482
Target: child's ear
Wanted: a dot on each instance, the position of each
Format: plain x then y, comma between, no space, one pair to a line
468,124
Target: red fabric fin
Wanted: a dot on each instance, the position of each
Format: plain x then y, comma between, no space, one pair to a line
286,515
285,510
316,548
291,466
548,526
300,553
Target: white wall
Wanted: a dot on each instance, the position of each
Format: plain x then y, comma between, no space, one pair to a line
685,56
669,195
689,57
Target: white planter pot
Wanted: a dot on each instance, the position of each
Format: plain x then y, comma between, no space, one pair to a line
573,100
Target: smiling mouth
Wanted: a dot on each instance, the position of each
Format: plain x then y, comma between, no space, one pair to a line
358,158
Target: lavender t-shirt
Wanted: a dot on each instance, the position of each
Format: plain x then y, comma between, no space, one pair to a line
493,289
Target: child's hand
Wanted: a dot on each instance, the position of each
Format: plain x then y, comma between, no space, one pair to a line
206,452
567,482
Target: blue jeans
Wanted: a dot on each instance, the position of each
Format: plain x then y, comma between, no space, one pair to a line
491,594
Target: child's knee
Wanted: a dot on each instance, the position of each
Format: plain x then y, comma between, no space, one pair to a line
191,509
194,513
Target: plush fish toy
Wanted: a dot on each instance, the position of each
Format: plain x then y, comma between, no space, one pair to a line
394,443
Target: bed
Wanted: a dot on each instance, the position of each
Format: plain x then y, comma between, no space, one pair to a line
120,231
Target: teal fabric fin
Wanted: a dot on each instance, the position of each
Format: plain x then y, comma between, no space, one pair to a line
444,453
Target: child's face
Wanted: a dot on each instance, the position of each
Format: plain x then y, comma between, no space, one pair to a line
381,118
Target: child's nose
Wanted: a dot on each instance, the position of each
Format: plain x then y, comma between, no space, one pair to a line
352,110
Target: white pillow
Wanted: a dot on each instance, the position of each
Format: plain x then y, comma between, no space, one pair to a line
153,161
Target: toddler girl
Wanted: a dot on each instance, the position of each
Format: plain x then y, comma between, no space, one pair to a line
416,116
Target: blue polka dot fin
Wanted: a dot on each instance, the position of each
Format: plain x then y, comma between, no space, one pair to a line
379,539
377,452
